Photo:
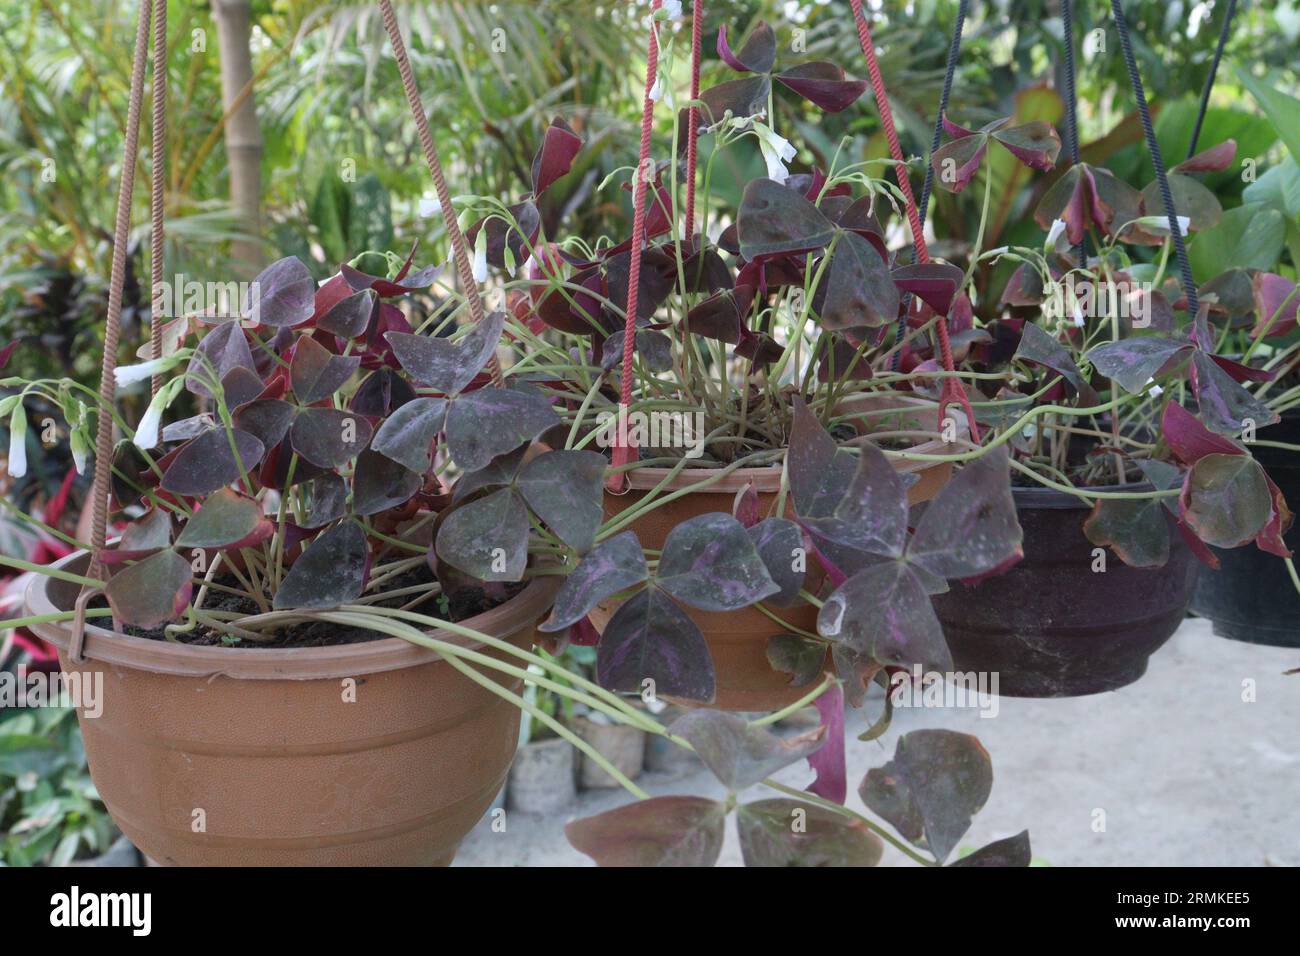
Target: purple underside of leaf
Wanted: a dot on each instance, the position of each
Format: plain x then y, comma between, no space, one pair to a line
151,591
283,295
445,365
970,528
1190,440
487,538
316,373
565,490
956,163
773,219
1213,160
240,386
407,435
1040,348
351,316
858,290
823,84
710,563
554,159
661,831
1136,361
329,437
769,836
884,611
331,571
829,763
379,483
612,566
934,283
650,638
226,520
223,348
721,316
936,782
208,462
492,421
756,56
738,754
1225,406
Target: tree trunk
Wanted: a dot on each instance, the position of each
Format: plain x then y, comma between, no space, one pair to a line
243,136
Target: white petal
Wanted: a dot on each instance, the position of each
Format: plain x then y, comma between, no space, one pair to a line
657,90
1058,227
146,433
480,257
125,375
1156,391
429,207
673,9
775,168
17,453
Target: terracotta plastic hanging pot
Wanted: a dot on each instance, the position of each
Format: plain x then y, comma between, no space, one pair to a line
369,754
1051,626
737,640
1251,596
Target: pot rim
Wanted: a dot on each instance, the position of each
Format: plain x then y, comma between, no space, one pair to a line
1040,496
105,646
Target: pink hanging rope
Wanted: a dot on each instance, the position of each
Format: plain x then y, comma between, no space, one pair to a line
693,133
622,451
952,387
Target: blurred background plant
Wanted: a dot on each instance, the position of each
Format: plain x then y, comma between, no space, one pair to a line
50,814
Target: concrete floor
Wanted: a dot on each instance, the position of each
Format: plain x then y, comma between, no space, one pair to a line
1186,771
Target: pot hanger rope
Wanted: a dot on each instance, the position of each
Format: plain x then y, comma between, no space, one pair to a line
622,451
112,330
460,253
1153,146
950,70
1072,105
1209,80
157,166
693,132
952,387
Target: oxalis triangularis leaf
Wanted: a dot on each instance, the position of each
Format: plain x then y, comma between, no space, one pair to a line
856,514
709,562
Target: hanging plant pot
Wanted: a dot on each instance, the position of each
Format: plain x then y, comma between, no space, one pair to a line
1051,626
1251,597
738,639
376,753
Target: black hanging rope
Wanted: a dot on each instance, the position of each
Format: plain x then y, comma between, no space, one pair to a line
1180,247
1209,80
1071,105
954,50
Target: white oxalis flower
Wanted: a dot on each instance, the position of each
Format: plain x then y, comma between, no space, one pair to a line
480,256
125,375
18,442
1058,227
429,207
776,150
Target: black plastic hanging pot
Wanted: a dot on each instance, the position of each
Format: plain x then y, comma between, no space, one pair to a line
1052,626
1251,597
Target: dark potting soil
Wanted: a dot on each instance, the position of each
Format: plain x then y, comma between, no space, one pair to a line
462,605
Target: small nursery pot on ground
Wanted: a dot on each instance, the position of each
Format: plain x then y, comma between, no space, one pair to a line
1251,596
738,640
1052,626
219,756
